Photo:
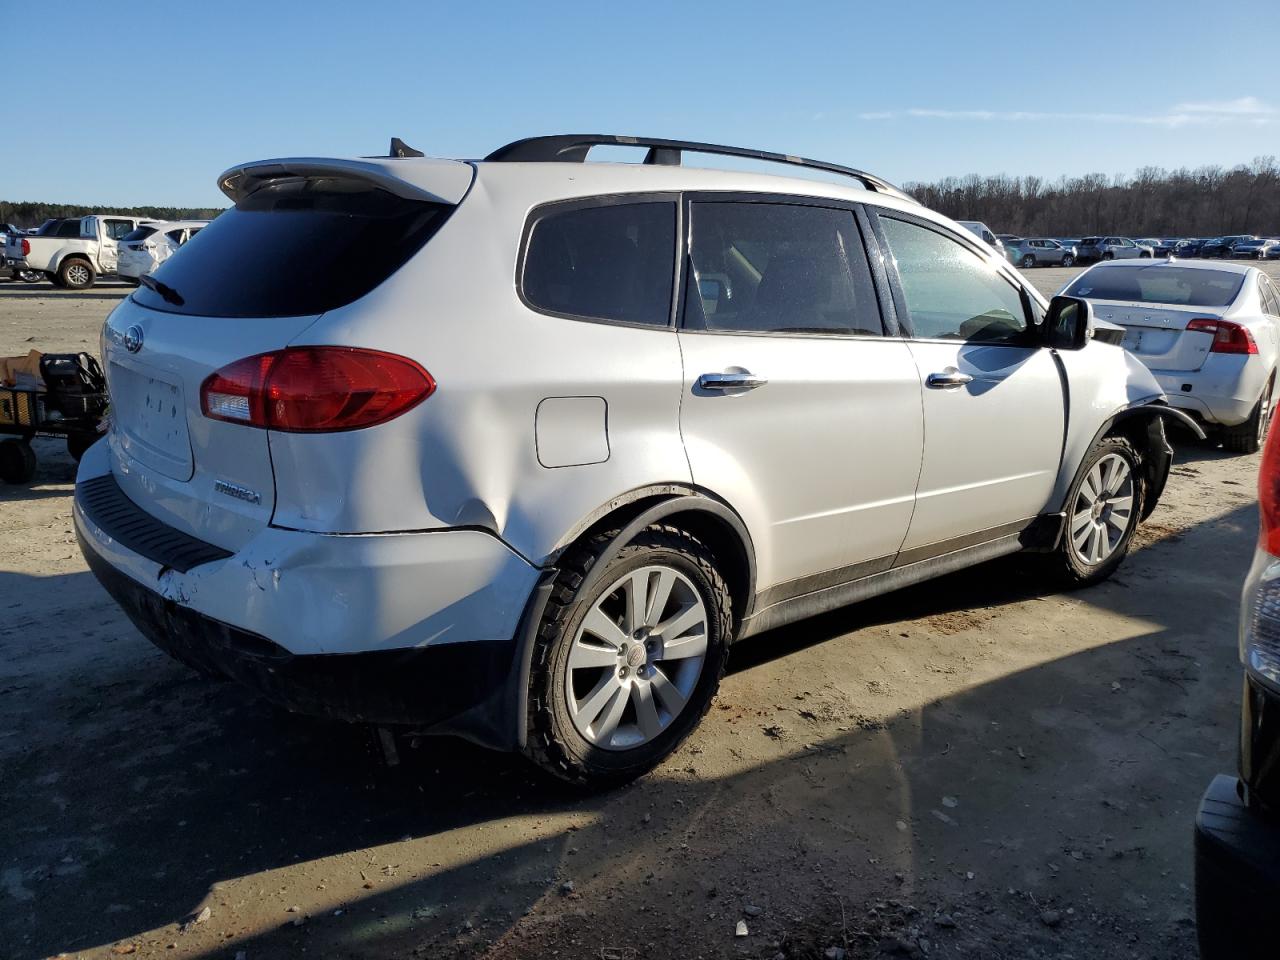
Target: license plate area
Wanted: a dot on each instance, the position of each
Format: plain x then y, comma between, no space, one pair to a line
149,415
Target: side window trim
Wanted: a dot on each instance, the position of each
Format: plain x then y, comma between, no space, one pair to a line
605,200
1031,315
888,322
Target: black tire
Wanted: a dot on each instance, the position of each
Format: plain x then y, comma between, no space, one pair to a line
1249,436
1108,255
1066,563
29,276
78,443
555,745
17,461
1068,261
75,273
1028,261
1146,255
53,278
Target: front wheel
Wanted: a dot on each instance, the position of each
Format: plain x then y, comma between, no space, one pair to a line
1108,255
17,461
1068,261
1028,261
626,662
1249,436
1103,510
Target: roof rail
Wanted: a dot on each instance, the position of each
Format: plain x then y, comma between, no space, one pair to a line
573,148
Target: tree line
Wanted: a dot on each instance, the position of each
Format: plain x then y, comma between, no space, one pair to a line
27,214
1153,202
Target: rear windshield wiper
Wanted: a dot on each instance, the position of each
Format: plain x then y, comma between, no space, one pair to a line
169,294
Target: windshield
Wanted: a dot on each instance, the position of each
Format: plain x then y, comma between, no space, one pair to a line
1179,286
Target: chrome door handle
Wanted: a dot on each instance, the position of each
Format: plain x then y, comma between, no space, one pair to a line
947,380
731,381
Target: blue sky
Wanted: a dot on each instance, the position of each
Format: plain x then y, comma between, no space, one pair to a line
141,102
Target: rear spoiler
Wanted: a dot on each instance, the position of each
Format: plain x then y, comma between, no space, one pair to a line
437,181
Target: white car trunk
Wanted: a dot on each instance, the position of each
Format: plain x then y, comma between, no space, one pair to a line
1157,335
208,478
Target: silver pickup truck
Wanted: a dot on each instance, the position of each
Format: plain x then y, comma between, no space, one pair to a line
72,253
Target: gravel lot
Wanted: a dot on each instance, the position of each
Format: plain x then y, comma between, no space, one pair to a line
972,767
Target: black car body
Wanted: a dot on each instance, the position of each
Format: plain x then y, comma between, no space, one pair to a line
1166,246
1188,248
1220,247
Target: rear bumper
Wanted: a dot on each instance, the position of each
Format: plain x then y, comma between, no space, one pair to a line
1224,390
401,628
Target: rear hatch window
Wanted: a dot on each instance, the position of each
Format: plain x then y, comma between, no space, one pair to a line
133,236
294,248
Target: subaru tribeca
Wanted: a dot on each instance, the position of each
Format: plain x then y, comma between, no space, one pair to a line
515,449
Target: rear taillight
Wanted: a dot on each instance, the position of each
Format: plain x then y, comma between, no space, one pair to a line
315,389
26,247
1228,337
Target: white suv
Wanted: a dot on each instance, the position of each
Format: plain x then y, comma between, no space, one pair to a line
515,449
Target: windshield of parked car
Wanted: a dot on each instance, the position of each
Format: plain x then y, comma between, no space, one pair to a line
1159,283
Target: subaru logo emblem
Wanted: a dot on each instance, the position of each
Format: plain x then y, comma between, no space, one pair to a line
133,339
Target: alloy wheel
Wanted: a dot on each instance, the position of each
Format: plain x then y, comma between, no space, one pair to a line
77,274
1103,510
636,658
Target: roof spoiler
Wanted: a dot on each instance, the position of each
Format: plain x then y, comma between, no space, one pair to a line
573,148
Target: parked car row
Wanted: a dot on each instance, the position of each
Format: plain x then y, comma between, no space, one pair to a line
76,251
1029,252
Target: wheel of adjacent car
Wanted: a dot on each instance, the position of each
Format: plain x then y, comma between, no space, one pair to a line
628,658
1249,436
17,461
1029,260
1103,510
29,276
1068,261
1108,255
76,274
1145,255
78,443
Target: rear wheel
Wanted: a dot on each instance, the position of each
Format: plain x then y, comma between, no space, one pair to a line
76,274
29,276
1103,510
626,663
1068,261
1108,255
17,461
1028,261
1248,437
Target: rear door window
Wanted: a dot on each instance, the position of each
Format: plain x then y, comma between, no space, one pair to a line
296,248
779,268
950,292
602,260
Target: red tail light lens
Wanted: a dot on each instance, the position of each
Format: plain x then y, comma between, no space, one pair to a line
1269,495
315,389
1228,337
26,247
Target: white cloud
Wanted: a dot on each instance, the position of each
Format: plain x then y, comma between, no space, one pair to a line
1248,110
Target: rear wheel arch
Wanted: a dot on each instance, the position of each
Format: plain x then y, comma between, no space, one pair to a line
706,517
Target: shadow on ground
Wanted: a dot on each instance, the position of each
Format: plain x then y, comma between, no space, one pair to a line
133,792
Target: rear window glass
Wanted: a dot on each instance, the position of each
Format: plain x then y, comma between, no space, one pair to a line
610,262
295,248
66,228
1183,286
140,234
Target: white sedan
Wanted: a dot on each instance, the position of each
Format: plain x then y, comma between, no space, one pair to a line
144,249
1209,331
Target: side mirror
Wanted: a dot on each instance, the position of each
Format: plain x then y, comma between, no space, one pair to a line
1068,323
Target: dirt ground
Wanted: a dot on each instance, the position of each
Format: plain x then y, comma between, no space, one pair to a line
974,767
